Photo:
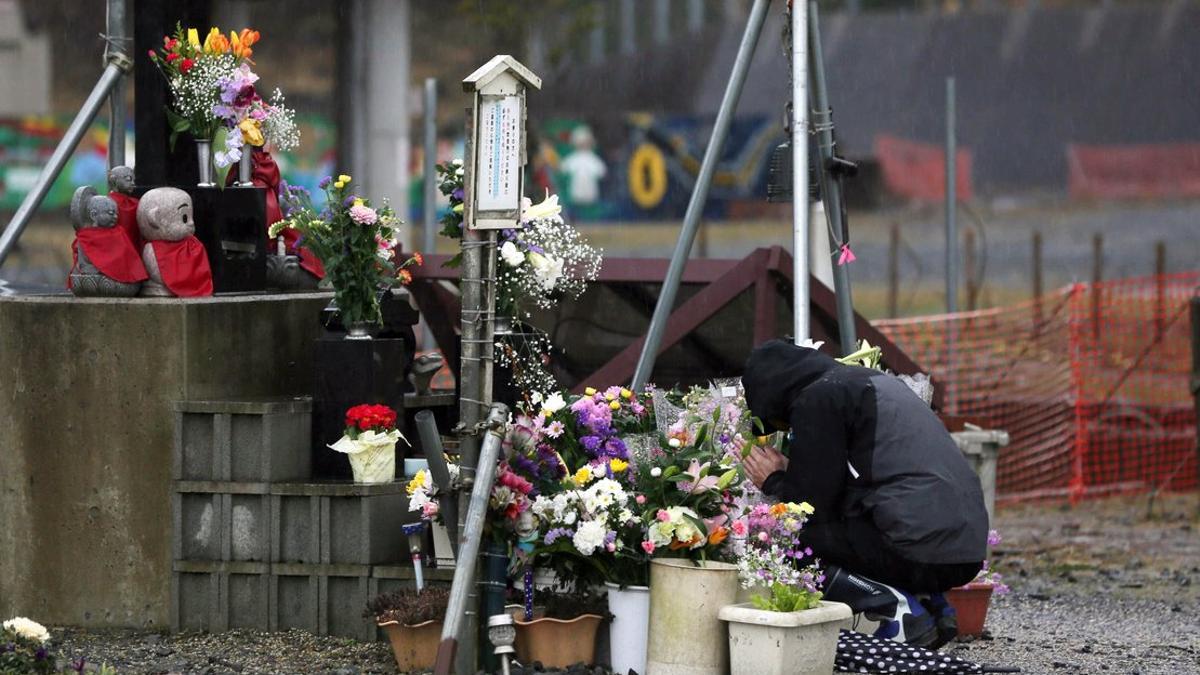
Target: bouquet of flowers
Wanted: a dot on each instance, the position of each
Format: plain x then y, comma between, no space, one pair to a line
194,72
356,243
25,647
370,442
771,558
423,493
249,120
690,491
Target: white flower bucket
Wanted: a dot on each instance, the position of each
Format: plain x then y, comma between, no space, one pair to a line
372,455
630,607
685,636
779,643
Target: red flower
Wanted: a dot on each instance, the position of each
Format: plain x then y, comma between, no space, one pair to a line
170,43
186,65
366,417
419,258
172,57
405,277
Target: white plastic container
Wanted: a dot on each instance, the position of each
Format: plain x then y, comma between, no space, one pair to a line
630,607
775,643
374,464
685,636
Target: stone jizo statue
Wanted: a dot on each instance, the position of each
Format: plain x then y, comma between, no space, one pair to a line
105,262
174,258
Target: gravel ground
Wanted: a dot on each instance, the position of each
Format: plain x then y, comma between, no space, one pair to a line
1110,586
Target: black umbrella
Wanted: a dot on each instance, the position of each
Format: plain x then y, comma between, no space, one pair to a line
861,653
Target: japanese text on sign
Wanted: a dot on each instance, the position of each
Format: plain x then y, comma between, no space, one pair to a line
499,153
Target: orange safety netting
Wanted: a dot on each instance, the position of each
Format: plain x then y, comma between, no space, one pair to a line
1091,383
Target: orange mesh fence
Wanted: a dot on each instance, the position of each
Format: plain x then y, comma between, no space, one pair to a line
1091,383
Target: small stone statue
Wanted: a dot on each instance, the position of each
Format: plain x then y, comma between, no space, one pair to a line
175,259
285,272
104,261
120,190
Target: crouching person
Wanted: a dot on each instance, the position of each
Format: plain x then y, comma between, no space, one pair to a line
899,515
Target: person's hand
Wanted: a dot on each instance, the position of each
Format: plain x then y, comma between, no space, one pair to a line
762,462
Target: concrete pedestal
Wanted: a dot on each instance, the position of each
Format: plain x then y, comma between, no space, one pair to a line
86,433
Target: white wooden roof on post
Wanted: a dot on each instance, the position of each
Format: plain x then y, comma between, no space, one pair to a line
490,74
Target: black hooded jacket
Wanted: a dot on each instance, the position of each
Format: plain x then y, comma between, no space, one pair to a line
864,445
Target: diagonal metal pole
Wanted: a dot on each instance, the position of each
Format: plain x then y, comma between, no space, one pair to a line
118,65
116,101
831,187
691,218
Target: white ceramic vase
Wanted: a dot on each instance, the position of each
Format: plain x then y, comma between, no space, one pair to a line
775,643
630,607
686,637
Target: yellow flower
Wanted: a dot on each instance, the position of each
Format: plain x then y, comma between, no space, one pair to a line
615,405
547,414
417,482
338,184
193,38
618,465
626,394
610,396
589,391
583,475
344,178
806,508
252,132
358,202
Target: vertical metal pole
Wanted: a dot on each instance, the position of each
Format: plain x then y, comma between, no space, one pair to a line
831,189
1196,379
893,296
431,190
1160,271
969,267
800,206
662,21
1037,281
116,99
1097,280
691,218
118,65
951,202
628,27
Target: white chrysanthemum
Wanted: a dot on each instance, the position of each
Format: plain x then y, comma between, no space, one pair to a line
32,630
511,255
589,536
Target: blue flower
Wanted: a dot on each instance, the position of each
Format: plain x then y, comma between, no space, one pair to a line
325,182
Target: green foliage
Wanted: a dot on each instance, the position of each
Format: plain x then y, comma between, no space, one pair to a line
19,655
784,598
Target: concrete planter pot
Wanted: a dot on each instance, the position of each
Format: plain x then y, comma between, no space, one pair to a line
415,647
686,637
774,643
558,643
630,607
970,603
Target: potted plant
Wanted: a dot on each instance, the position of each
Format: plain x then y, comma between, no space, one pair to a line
370,443
413,622
357,245
971,601
563,633
785,628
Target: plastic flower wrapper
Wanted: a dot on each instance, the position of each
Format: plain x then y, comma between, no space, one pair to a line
772,559
368,427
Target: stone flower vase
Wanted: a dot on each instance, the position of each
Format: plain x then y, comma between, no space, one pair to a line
970,603
415,647
686,637
558,643
778,643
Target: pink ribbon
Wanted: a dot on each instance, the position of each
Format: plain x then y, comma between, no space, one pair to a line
847,255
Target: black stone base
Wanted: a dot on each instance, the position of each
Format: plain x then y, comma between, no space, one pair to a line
349,373
232,225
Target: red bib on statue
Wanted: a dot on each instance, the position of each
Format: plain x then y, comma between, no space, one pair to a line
184,267
111,252
127,217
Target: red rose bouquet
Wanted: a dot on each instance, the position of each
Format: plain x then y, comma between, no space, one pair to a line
370,443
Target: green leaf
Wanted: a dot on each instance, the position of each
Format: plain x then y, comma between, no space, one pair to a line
727,479
670,471
698,523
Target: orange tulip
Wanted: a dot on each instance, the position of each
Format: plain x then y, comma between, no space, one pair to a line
242,42
216,43
718,535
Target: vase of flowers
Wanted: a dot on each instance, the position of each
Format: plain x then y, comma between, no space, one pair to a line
370,443
355,242
413,622
785,628
971,601
194,71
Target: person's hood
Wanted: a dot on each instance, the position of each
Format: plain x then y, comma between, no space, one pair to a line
775,374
